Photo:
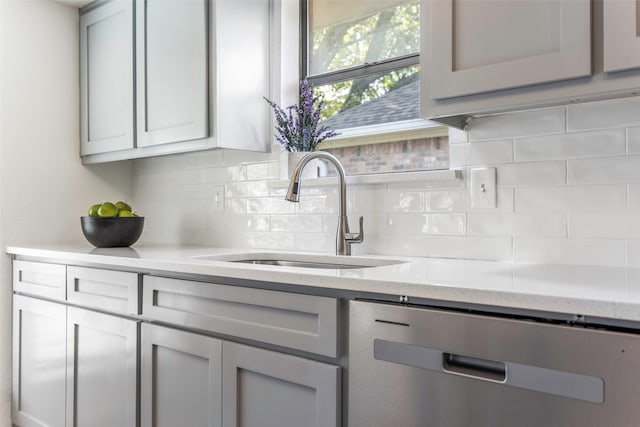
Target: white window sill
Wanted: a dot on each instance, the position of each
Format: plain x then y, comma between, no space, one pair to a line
424,177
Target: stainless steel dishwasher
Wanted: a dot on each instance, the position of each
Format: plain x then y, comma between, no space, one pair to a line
412,367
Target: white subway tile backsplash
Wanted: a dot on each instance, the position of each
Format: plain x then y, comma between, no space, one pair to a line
604,114
446,201
513,125
602,252
226,174
633,253
266,205
446,224
301,223
572,198
481,248
457,136
634,197
571,146
607,170
247,189
315,204
235,206
404,201
633,140
612,225
547,224
237,157
262,171
274,241
484,153
531,174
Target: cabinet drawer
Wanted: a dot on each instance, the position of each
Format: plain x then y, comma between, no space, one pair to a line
302,322
37,278
115,291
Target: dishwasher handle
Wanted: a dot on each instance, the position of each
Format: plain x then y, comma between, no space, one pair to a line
474,367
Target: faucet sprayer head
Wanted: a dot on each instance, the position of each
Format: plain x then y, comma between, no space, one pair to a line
292,193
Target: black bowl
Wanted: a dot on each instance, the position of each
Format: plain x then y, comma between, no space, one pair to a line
112,232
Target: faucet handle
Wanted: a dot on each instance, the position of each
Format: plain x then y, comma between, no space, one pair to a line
357,237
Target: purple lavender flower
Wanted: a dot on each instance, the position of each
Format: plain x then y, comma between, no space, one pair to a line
297,126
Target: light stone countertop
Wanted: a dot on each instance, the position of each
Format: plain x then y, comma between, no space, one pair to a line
594,291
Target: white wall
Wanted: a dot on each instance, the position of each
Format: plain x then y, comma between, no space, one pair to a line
568,192
43,187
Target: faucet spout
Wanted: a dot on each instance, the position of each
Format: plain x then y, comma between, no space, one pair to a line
344,238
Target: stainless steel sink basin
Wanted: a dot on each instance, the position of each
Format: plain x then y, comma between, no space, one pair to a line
302,261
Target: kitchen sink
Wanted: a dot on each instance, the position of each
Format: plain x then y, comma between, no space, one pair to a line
302,261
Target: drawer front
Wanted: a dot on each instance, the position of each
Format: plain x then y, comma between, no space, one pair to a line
115,291
38,278
303,322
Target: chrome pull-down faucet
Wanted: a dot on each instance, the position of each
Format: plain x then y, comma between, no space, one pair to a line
344,238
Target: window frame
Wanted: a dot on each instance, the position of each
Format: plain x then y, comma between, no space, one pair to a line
372,134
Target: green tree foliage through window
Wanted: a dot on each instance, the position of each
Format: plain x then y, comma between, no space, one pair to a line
381,30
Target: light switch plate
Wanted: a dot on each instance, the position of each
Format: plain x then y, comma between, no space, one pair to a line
483,188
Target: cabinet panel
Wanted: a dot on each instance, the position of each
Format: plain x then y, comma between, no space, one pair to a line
621,34
39,363
101,369
172,65
106,78
37,278
243,54
303,322
115,291
181,378
475,46
267,389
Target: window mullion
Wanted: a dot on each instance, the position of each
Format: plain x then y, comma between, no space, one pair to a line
378,67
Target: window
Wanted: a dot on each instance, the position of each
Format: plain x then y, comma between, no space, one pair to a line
363,57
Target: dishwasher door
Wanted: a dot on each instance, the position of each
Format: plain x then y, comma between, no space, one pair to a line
411,367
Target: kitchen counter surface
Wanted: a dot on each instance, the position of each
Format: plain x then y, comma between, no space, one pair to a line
595,291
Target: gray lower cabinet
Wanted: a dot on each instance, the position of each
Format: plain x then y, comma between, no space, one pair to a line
262,388
101,369
39,363
196,380
72,367
180,378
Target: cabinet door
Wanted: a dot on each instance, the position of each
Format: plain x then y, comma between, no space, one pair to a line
181,378
243,73
621,34
476,46
101,369
267,389
172,64
106,78
39,363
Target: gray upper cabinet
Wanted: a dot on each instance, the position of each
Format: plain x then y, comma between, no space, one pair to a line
198,75
482,46
483,57
39,363
621,34
171,64
106,78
